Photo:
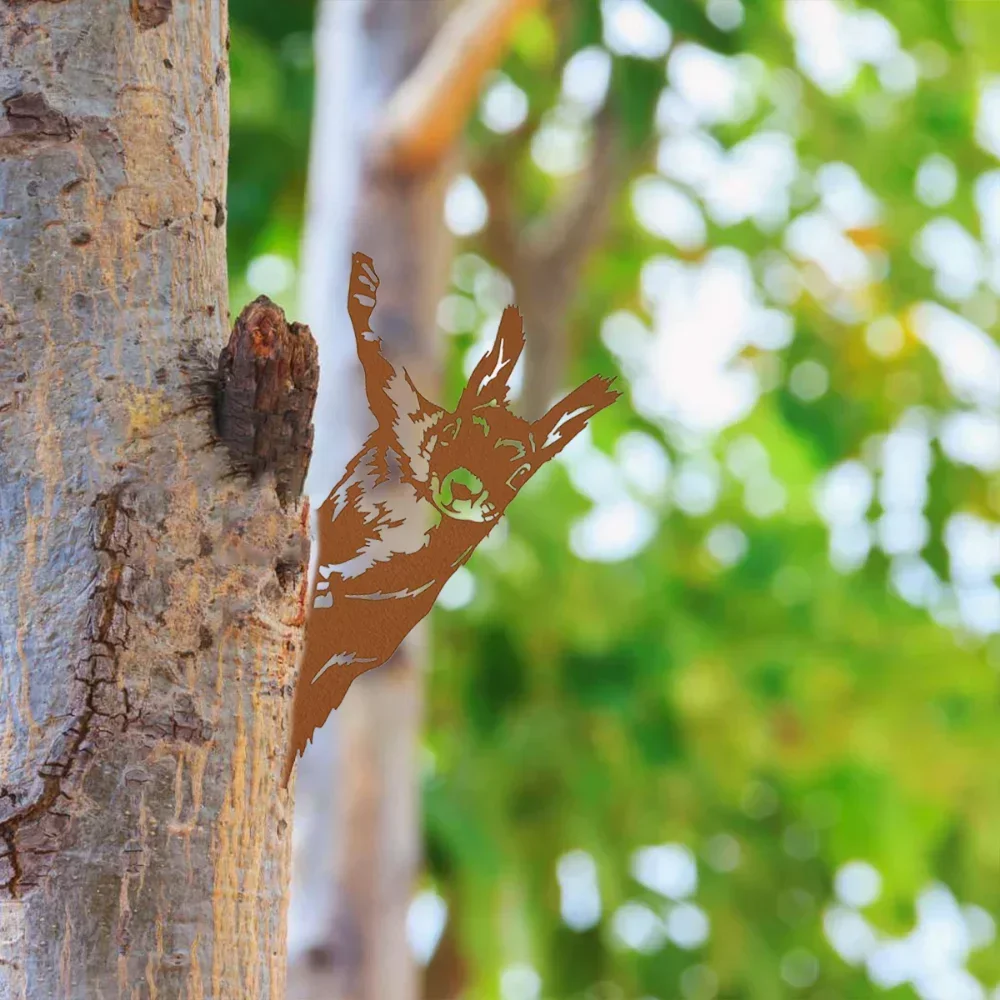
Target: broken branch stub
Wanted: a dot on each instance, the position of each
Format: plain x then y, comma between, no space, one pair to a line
268,376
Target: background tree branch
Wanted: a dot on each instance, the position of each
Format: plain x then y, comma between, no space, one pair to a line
427,113
544,259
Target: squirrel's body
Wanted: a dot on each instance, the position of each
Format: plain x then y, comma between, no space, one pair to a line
424,491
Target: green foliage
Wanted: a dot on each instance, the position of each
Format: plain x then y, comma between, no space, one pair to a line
271,67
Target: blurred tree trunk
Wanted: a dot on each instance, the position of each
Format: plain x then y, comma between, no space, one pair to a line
364,52
395,85
341,412
547,260
150,601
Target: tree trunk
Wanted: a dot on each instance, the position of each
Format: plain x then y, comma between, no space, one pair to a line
365,51
341,413
150,599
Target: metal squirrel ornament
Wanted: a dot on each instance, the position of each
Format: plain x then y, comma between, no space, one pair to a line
427,487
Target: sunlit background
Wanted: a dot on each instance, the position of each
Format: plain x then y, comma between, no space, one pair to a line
715,712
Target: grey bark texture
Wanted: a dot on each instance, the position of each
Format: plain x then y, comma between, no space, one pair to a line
150,598
376,831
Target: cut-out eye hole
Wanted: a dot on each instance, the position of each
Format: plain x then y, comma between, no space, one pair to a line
450,431
511,443
518,476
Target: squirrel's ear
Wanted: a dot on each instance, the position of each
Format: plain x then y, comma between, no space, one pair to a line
570,415
490,379
362,292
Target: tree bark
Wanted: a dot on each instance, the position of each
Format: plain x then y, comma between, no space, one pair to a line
150,591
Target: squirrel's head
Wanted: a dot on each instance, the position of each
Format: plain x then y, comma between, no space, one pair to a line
482,453
482,456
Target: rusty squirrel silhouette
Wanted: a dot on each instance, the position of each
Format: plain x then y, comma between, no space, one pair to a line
426,488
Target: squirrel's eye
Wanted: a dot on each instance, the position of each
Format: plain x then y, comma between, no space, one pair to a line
518,476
